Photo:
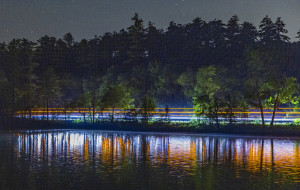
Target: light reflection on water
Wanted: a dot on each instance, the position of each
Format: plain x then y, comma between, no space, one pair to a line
76,159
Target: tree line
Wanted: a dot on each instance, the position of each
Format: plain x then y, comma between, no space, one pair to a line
219,68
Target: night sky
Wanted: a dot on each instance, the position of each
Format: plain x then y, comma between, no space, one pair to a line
85,18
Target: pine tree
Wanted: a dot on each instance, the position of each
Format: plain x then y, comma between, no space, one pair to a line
45,52
28,78
153,42
281,31
298,35
136,34
233,28
267,30
249,33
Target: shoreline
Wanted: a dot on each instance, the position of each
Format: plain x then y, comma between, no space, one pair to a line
159,127
173,134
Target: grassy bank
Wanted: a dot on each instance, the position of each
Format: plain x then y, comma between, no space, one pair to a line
239,128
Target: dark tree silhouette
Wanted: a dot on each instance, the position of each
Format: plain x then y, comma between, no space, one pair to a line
142,63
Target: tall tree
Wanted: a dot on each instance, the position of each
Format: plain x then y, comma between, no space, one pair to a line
28,78
257,88
13,71
49,89
70,55
281,32
208,97
45,52
249,34
284,92
267,30
136,34
95,71
233,33
233,30
153,42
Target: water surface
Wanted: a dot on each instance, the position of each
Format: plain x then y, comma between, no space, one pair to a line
66,159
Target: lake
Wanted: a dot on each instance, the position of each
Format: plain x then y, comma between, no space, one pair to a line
78,159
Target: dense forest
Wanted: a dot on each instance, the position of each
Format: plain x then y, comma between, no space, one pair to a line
211,65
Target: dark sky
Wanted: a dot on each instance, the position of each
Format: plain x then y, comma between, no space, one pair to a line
85,18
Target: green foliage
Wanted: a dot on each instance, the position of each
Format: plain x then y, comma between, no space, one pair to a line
147,108
160,81
296,121
85,100
117,96
286,92
207,99
206,82
187,81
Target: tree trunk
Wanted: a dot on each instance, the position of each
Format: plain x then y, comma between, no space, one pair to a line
231,111
65,113
274,111
216,115
261,112
30,113
94,107
113,113
93,114
84,117
47,109
13,96
90,114
231,115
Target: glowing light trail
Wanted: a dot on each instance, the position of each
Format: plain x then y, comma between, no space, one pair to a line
177,114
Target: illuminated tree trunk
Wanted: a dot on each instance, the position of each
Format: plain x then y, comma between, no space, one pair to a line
216,115
231,116
94,107
274,110
90,114
113,114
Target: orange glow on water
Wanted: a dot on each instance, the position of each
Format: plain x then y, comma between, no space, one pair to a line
183,154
